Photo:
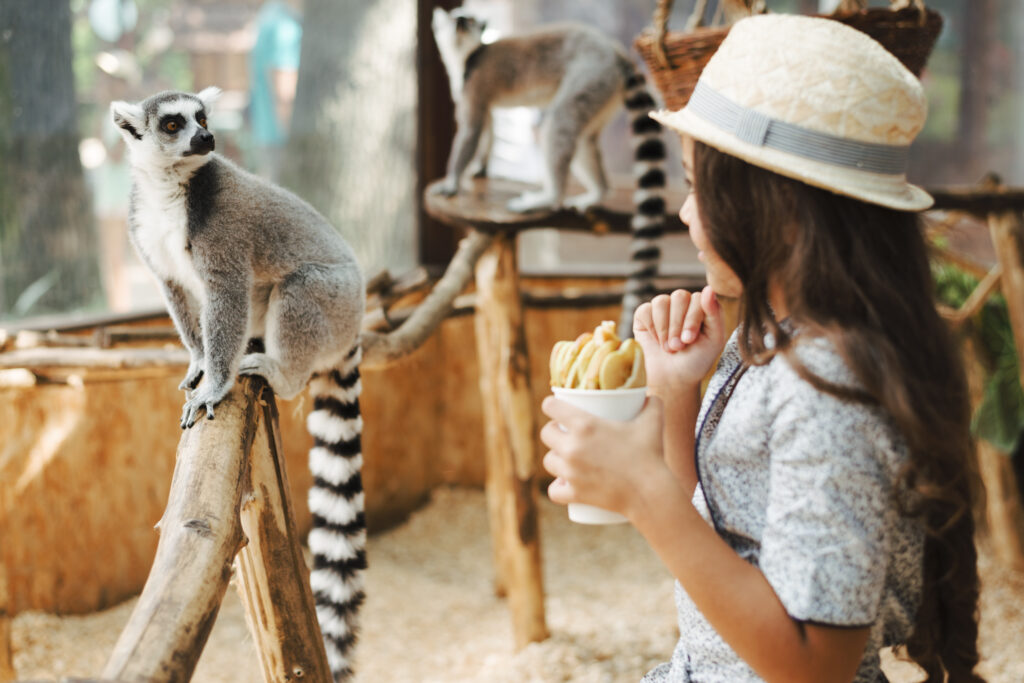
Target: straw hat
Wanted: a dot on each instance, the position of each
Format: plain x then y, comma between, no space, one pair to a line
811,99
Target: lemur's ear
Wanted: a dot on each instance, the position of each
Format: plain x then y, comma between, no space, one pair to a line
208,96
129,118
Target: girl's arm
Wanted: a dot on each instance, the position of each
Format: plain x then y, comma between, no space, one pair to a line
733,595
736,598
665,328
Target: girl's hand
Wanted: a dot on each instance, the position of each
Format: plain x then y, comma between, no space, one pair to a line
600,462
681,334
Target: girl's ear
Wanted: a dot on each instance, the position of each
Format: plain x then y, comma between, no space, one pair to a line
129,119
208,96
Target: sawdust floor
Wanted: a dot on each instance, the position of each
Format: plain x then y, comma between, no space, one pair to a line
431,613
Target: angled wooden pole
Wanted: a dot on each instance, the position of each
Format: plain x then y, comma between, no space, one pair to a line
273,580
228,479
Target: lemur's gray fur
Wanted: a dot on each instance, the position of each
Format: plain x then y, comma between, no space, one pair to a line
582,77
241,259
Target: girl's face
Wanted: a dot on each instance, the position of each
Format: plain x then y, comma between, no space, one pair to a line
721,278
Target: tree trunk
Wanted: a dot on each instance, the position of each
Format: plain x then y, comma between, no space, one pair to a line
48,243
353,129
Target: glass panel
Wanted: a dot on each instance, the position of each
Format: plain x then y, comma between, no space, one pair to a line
64,176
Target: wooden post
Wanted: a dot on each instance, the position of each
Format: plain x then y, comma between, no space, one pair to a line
6,658
1007,233
273,580
508,413
228,478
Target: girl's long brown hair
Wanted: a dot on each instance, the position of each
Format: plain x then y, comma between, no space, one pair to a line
858,274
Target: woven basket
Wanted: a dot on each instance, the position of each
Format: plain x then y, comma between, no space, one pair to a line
675,59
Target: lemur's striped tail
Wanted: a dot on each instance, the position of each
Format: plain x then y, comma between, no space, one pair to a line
648,199
338,538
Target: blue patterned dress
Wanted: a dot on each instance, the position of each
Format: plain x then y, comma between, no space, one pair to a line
803,485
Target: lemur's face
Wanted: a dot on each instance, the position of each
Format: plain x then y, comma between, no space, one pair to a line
460,29
167,129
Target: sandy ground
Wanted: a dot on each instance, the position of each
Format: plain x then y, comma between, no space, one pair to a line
431,613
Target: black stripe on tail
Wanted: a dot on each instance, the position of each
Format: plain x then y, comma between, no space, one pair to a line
338,537
648,200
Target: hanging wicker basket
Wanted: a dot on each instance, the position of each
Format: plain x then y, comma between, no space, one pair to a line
676,59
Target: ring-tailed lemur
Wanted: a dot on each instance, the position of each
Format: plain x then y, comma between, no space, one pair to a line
582,77
240,259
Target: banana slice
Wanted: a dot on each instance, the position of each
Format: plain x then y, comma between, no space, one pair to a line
606,332
555,362
568,356
591,380
616,369
579,366
638,375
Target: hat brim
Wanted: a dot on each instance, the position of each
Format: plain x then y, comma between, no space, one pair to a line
890,191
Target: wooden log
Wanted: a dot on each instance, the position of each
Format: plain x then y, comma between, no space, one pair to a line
1007,232
6,658
200,534
997,507
508,416
1004,515
273,580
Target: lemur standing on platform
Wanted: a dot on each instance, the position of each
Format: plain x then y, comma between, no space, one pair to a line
582,77
241,259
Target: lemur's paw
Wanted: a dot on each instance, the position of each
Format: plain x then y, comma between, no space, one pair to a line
257,364
531,201
202,400
584,202
449,188
192,377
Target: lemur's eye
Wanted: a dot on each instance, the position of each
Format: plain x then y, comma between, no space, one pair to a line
171,126
202,121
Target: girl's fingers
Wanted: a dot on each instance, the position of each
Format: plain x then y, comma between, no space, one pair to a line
680,300
642,322
713,323
693,320
553,435
560,491
659,314
555,465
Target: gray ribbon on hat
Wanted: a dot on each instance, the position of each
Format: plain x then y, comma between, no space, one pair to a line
762,130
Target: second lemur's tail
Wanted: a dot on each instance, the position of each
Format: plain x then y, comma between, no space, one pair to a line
648,199
338,537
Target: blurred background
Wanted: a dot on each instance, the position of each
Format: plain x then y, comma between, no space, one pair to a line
346,103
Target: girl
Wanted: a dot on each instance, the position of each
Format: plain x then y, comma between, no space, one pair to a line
815,507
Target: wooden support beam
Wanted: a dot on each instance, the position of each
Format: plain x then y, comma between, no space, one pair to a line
6,657
1007,232
273,580
511,481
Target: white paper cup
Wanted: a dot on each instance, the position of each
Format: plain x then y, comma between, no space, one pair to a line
609,404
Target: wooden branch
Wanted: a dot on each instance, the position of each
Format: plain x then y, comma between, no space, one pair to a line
508,417
200,534
381,348
978,297
273,580
979,202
